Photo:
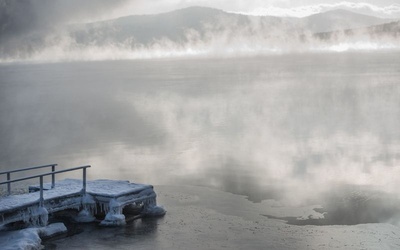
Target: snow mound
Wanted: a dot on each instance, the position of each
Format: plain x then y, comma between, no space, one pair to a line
154,211
29,238
52,230
21,239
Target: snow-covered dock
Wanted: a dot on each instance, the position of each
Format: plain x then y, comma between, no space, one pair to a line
109,197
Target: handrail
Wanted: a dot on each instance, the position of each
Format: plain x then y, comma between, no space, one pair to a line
25,169
40,176
46,174
53,168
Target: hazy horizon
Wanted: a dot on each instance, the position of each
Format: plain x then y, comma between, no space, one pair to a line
39,32
244,115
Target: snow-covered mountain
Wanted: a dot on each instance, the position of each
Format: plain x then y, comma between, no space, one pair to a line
205,23
177,26
201,30
373,33
340,20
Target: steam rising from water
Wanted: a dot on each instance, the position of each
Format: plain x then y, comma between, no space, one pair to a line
199,32
64,47
292,125
285,143
289,127
281,122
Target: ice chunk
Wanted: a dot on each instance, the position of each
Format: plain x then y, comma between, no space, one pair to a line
114,217
37,216
154,211
113,220
52,230
29,238
21,239
84,216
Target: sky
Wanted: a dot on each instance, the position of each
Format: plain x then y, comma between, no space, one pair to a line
17,15
298,8
37,19
21,16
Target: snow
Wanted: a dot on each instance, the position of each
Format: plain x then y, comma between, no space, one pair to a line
84,216
155,211
37,216
114,217
103,187
12,201
109,195
29,238
52,230
205,218
109,188
22,239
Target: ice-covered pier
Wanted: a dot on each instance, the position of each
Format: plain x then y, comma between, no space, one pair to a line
109,197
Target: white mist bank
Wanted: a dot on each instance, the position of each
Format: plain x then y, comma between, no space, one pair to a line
304,144
225,35
276,156
69,51
287,127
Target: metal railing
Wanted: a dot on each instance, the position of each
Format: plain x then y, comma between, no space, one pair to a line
8,173
53,173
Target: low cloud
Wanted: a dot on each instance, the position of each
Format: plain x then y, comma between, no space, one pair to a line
390,11
26,24
212,43
261,140
42,31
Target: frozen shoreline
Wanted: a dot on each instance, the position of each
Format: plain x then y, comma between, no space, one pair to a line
29,238
204,218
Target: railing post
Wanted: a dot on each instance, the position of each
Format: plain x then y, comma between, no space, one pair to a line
84,181
41,200
8,184
53,179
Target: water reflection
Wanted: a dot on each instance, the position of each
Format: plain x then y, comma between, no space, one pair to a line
141,233
280,127
352,205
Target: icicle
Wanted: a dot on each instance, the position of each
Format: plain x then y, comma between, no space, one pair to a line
151,208
104,207
37,216
114,216
88,203
85,216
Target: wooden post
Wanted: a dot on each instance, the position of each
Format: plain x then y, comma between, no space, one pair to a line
8,184
84,181
53,178
41,200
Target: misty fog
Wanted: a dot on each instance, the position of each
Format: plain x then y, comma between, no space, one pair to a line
191,32
293,128
304,110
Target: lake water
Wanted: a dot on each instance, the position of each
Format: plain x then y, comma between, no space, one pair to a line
293,128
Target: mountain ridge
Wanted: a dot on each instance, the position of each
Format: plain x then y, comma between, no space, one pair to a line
205,31
341,19
205,24
202,12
